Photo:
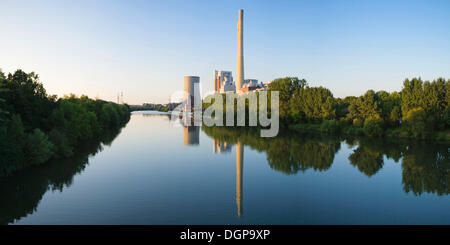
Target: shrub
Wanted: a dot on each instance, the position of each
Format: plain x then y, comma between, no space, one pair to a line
358,122
38,148
329,126
61,143
395,116
373,127
415,122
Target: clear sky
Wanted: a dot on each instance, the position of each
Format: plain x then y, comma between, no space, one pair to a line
144,48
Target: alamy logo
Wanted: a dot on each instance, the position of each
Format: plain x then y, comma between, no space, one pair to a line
235,106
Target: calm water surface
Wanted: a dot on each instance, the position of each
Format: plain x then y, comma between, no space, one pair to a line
154,173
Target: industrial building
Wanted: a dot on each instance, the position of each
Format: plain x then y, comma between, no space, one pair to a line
251,85
223,82
192,93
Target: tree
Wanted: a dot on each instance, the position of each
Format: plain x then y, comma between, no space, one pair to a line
365,107
313,104
62,145
373,126
28,115
412,94
38,148
287,87
395,116
389,101
415,122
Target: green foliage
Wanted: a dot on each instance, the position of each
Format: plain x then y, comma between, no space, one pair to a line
35,127
12,141
38,147
446,117
329,126
358,122
60,140
287,87
25,95
373,114
395,116
109,115
432,97
373,127
365,107
16,131
312,104
154,107
415,122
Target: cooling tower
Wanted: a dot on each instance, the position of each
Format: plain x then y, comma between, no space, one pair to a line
192,90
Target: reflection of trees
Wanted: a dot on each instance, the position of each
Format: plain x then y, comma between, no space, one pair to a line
368,156
425,165
291,154
426,168
285,153
154,114
367,160
22,192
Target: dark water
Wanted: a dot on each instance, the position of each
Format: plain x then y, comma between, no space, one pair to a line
154,173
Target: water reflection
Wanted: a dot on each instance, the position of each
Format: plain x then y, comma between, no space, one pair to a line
22,192
191,135
221,147
425,164
424,167
239,179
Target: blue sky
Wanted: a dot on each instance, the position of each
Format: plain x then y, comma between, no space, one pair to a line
144,48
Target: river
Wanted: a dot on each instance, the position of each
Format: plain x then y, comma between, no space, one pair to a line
153,172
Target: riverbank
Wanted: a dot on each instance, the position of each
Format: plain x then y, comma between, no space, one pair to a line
36,127
331,128
154,107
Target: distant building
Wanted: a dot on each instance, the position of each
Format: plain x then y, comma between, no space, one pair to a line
223,81
266,85
192,93
251,85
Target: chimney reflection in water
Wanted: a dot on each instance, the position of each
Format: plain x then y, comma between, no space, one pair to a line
191,137
239,169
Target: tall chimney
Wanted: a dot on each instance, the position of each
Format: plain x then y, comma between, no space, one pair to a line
240,51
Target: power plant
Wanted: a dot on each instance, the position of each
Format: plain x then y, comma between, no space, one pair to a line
223,80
